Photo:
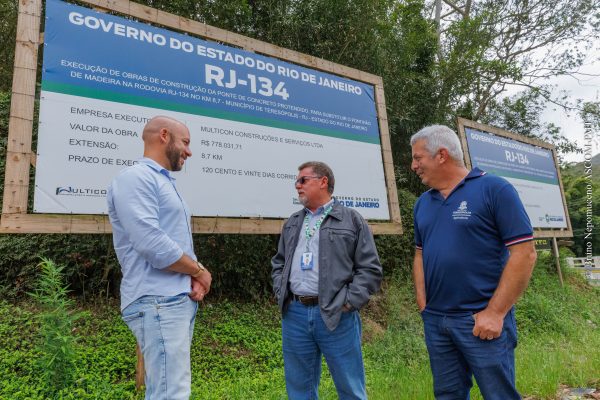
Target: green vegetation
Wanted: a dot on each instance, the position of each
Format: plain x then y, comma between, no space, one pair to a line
56,343
237,348
429,77
582,193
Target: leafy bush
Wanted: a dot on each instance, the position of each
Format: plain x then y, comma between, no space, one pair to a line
549,308
89,263
56,364
240,264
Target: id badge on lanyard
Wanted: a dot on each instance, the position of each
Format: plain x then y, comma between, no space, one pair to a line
306,261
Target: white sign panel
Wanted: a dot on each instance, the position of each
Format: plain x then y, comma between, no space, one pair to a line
530,169
253,120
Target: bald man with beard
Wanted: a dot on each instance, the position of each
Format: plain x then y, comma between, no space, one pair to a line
162,278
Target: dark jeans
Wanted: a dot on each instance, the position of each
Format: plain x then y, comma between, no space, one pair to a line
306,338
456,355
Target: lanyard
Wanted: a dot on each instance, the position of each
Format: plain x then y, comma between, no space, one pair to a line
309,233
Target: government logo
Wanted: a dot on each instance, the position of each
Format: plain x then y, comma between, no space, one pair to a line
462,212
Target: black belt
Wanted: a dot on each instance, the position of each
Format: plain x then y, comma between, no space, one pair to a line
306,300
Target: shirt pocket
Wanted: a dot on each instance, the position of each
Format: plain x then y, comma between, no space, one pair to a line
290,236
341,234
340,255
343,241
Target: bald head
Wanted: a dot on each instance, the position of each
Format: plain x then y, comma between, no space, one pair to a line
167,142
156,124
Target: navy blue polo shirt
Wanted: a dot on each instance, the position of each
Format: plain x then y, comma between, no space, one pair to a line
465,240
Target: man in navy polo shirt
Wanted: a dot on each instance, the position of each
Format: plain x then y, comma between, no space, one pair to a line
474,257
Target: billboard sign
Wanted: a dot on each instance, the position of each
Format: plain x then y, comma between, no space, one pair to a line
529,168
253,119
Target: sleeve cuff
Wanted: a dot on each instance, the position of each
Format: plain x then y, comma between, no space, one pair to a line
162,261
519,239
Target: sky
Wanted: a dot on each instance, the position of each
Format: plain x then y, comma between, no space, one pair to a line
587,88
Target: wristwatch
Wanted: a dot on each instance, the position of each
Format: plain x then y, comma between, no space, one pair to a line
200,271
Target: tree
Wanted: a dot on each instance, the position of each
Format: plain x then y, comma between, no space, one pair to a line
590,114
582,193
522,113
489,44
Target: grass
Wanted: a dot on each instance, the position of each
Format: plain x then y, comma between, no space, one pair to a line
559,340
237,347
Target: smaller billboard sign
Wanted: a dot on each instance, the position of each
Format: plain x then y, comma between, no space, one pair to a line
530,169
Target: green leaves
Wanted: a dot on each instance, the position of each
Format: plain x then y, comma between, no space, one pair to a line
582,193
56,343
522,114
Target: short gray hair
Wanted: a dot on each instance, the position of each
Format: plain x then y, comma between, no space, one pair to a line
437,137
321,169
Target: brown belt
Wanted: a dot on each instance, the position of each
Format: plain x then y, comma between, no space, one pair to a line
306,300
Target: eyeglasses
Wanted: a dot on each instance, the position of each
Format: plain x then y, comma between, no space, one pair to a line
302,180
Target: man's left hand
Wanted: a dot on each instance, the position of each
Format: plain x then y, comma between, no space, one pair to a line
488,324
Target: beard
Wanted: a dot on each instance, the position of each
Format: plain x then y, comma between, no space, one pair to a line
173,155
303,200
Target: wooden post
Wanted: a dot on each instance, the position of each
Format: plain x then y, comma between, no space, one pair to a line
139,368
557,260
386,152
18,148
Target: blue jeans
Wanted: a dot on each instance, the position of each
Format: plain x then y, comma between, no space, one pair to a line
305,338
456,355
163,327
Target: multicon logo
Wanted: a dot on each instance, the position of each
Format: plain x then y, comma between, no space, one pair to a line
551,218
80,191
